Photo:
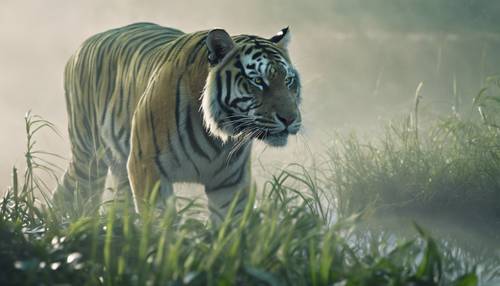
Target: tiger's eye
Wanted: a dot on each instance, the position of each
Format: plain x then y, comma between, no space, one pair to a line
258,80
288,80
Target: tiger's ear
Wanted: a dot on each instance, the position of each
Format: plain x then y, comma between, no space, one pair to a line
282,38
219,44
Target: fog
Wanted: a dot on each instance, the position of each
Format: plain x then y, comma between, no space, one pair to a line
360,61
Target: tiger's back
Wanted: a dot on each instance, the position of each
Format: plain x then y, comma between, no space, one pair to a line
104,81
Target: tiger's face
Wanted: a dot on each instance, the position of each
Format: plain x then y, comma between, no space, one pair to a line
252,89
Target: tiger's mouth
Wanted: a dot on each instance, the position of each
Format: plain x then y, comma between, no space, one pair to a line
278,139
267,134
274,139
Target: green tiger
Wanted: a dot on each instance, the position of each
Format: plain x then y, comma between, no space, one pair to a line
154,104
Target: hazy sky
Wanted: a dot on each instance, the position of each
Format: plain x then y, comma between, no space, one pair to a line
360,61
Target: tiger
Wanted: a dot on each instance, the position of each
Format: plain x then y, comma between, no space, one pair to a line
154,106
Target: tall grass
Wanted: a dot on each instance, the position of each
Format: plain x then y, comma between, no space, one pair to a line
450,168
453,167
285,236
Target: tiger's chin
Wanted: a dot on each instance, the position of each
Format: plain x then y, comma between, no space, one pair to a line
276,140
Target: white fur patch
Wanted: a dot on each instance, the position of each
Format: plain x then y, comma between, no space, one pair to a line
210,108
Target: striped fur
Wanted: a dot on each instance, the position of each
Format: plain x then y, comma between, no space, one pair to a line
151,105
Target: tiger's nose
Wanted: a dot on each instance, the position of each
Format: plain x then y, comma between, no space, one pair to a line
287,120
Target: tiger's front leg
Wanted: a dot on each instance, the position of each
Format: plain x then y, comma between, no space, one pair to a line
152,124
143,178
144,175
144,169
236,186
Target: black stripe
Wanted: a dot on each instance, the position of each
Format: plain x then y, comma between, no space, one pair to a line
192,138
195,51
256,55
235,101
228,88
249,50
172,150
155,141
239,65
245,110
186,40
231,181
173,48
233,159
152,124
143,56
160,167
239,39
121,132
113,135
88,130
178,119
214,142
74,132
242,198
259,65
218,82
154,45
138,141
120,101
129,113
105,108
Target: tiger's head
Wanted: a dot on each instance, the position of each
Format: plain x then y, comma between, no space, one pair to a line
252,88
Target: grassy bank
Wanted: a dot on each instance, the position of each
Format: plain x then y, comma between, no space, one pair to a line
449,168
283,241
